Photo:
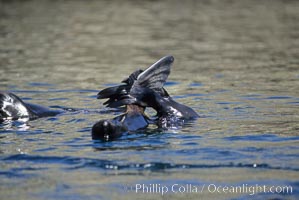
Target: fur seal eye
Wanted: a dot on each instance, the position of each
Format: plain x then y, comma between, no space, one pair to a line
105,123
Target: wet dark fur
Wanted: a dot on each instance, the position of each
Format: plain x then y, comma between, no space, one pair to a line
132,120
145,88
13,108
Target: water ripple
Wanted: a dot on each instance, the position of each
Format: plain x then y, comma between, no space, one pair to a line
262,138
152,166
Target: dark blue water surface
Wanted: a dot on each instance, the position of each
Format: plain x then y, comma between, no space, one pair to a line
226,146
236,64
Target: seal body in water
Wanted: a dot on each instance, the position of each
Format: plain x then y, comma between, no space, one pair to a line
145,89
13,108
132,120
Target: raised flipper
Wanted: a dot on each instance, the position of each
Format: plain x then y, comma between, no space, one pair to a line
152,78
147,91
148,86
156,75
113,93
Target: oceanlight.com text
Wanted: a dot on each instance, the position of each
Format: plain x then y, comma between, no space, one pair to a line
210,188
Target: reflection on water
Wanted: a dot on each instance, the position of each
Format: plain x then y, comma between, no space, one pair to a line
236,64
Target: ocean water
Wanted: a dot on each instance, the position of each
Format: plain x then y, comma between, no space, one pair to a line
236,64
